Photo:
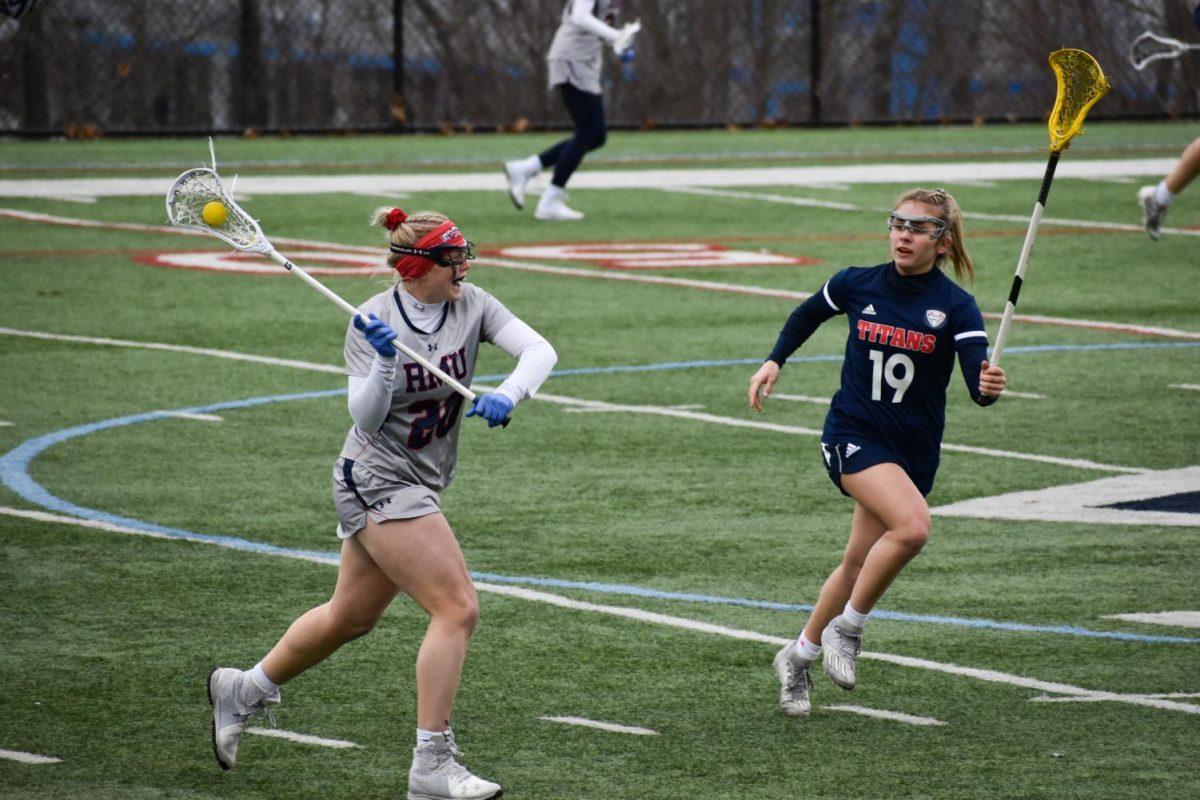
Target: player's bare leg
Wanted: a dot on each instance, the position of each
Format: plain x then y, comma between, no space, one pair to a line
423,558
1156,200
359,599
363,592
840,652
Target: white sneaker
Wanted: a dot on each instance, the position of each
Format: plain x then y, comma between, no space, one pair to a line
841,643
230,716
795,682
436,775
1153,212
518,179
553,206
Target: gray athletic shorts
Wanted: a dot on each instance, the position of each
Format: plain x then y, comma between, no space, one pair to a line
583,75
358,492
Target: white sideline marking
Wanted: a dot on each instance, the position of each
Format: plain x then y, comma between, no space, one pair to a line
604,726
905,661
733,288
801,398
1045,698
913,173
200,417
584,405
804,201
880,714
177,348
1179,619
4,423
28,758
1081,502
991,676
580,404
1195,387
302,738
1024,395
597,405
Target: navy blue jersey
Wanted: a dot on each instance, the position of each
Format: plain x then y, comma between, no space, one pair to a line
905,332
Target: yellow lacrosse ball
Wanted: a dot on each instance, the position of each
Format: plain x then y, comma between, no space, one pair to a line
215,213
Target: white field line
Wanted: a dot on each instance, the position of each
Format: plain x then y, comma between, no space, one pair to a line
28,758
1045,698
1024,395
198,417
913,173
4,423
176,348
303,738
1178,619
715,286
801,398
880,714
988,675
1194,387
640,615
603,726
587,405
735,422
836,206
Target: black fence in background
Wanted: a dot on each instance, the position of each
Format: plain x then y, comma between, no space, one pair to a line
91,67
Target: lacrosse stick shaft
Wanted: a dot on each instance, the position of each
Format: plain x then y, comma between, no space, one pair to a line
1026,250
282,261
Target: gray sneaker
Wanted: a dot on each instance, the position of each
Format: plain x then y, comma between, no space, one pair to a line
436,775
842,642
795,682
1153,212
231,716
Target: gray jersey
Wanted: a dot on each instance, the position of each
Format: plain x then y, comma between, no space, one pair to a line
575,55
418,442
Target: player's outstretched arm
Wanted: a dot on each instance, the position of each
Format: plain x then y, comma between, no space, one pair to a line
762,382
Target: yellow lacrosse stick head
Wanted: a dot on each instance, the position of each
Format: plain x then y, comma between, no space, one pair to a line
1081,83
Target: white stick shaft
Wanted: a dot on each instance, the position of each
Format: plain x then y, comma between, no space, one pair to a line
1022,263
279,259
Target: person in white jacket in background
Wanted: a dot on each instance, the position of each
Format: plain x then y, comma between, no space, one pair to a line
574,62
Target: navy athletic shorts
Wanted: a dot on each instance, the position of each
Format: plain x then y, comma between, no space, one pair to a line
845,456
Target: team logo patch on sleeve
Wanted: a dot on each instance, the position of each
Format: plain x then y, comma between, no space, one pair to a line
935,318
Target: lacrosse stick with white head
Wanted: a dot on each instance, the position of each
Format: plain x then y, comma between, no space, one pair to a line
197,201
1150,47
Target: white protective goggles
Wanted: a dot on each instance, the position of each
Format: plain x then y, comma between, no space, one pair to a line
928,226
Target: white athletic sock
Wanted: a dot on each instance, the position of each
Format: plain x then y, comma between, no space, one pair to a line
254,687
424,736
854,617
1162,195
806,649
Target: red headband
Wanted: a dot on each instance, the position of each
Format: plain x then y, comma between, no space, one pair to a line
444,235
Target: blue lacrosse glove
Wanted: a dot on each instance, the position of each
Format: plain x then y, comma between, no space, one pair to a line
378,334
495,408
628,55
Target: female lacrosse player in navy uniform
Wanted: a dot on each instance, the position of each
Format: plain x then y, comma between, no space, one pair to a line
398,458
574,63
884,428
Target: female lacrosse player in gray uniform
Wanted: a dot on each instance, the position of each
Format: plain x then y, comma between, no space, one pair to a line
573,63
397,459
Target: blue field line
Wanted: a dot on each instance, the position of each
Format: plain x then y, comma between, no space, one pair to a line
14,471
